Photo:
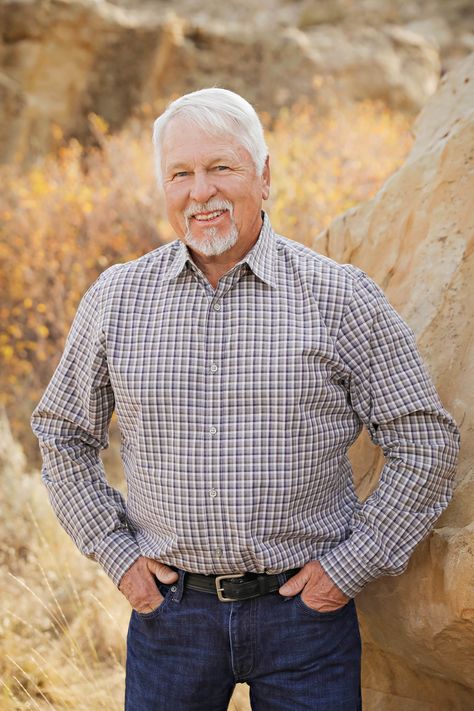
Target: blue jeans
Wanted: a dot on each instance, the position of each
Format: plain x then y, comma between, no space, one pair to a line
189,653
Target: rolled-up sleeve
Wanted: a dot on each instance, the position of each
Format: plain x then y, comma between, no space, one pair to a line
71,422
394,397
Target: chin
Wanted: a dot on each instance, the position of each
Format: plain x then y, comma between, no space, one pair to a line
212,243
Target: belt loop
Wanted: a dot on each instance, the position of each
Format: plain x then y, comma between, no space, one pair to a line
179,585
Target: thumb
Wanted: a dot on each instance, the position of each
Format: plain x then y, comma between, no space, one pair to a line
163,572
295,584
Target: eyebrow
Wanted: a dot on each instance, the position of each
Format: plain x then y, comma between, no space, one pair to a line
218,158
174,166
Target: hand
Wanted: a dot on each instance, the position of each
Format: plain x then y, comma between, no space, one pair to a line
138,584
319,591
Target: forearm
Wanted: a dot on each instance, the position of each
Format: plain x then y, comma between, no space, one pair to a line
415,486
71,423
91,512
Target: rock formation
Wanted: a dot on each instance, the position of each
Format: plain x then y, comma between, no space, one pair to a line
416,239
61,59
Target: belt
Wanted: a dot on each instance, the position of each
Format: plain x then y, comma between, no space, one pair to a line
236,586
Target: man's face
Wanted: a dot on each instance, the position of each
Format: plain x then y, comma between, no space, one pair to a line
212,192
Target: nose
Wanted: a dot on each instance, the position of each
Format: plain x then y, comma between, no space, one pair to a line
202,188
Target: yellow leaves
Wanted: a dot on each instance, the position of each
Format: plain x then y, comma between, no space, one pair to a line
42,331
57,133
98,123
325,163
15,331
39,184
7,353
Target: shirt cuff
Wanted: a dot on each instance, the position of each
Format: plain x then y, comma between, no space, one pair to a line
347,569
117,552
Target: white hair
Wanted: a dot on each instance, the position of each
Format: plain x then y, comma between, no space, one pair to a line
215,111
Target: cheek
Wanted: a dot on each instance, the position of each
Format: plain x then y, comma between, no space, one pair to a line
174,204
176,219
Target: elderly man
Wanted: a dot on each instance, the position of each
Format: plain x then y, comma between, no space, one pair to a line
242,365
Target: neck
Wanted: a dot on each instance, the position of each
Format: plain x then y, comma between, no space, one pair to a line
216,266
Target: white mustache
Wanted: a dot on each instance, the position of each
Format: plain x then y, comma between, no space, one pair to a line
210,206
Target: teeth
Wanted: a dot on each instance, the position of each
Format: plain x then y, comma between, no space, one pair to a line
209,216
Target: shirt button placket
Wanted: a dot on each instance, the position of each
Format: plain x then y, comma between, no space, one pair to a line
213,355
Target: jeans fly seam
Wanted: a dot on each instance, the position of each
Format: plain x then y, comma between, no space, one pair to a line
230,642
253,642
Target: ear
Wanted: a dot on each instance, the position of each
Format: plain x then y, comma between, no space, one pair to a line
266,179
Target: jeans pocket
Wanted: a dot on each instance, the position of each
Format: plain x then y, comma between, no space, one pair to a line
317,613
166,592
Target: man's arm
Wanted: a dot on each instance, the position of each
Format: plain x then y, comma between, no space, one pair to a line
394,397
71,422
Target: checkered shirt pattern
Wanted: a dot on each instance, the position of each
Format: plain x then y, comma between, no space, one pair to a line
236,409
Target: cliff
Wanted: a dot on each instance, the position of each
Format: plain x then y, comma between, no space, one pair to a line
416,239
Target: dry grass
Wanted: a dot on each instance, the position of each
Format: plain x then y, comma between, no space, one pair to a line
62,623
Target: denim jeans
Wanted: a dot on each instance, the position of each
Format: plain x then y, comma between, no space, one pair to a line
188,654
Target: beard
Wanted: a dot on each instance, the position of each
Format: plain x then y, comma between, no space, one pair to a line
213,242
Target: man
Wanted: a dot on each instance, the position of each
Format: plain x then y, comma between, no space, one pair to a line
242,366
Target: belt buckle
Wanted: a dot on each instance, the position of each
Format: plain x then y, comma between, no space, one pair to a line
220,590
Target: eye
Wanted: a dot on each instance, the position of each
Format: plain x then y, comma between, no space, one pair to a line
181,174
220,168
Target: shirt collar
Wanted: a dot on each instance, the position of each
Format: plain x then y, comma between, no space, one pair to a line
260,258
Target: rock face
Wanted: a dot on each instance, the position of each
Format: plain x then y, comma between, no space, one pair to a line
61,59
416,239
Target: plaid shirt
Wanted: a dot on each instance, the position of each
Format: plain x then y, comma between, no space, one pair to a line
236,408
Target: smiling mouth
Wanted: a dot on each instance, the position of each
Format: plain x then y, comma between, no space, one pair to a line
208,216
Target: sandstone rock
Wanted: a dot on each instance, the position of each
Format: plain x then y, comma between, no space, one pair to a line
389,63
61,59
416,239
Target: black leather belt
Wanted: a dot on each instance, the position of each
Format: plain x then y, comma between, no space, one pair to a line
236,586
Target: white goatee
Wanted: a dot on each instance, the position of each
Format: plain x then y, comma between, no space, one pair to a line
213,243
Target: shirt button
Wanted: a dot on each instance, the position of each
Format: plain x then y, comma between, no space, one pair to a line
217,307
213,430
213,493
213,368
219,552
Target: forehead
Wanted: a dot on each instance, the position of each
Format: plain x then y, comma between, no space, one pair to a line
185,141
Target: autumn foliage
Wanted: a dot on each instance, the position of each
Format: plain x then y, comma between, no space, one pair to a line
73,214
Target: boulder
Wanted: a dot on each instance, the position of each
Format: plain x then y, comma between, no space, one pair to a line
62,59
416,239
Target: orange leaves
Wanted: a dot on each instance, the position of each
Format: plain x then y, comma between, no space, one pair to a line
62,222
323,164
